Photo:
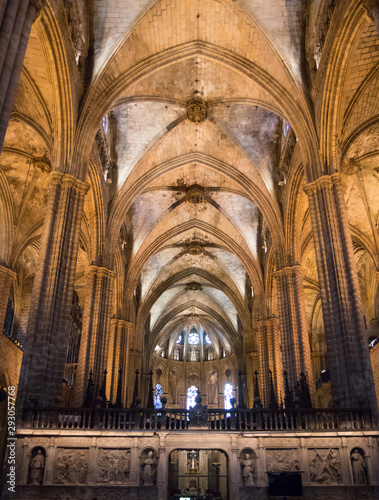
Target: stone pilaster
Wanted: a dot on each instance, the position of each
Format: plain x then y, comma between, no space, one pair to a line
296,353
94,343
6,279
270,358
162,469
135,464
347,355
47,335
235,471
16,19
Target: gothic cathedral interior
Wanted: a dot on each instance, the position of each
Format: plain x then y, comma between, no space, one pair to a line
189,249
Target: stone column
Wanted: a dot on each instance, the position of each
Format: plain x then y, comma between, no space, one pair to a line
47,333
296,352
49,461
347,355
117,358
94,342
6,279
345,462
270,358
23,456
16,19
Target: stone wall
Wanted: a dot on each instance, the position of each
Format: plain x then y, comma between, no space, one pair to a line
88,464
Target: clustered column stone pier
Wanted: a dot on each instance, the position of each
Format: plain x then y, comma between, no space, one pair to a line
6,279
95,335
296,353
348,358
16,20
117,358
46,339
270,358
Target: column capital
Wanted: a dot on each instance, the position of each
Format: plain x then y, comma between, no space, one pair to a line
289,271
68,180
325,181
38,6
5,272
121,322
269,321
100,271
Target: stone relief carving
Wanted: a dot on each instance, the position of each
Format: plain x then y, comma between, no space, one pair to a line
325,466
71,467
37,466
358,464
247,462
149,468
113,466
282,460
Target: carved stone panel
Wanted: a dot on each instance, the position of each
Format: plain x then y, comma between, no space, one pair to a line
71,466
325,466
113,466
286,460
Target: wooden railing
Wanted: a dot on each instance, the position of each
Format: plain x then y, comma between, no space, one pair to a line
176,419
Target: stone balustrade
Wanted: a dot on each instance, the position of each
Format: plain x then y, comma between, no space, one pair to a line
215,419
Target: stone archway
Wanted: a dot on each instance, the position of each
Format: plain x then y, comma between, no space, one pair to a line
200,474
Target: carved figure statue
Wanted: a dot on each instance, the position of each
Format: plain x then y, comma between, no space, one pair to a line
36,468
210,355
358,464
248,467
149,469
176,354
193,354
317,54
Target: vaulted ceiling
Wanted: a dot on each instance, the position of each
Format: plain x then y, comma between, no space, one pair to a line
244,64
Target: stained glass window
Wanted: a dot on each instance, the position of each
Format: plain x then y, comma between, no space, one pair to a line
157,396
193,337
191,395
228,393
179,339
208,340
